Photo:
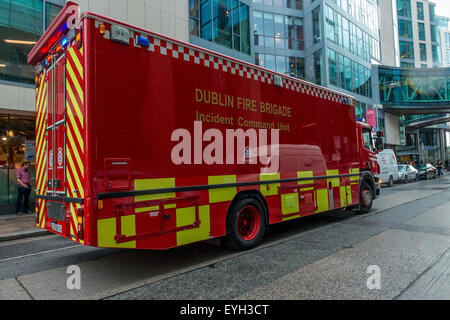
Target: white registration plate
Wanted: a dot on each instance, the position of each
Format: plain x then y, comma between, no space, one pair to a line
56,227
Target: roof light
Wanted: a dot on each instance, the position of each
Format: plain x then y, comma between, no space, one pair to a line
101,29
120,34
142,41
64,42
58,48
71,35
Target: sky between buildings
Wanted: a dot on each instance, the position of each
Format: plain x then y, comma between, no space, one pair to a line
442,7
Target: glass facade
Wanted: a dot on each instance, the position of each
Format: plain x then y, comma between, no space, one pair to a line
406,50
404,8
348,74
420,13
292,66
224,22
423,52
290,4
421,31
347,35
22,22
318,67
405,29
277,31
364,11
17,144
416,86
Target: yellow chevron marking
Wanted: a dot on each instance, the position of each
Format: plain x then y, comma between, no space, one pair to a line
41,212
75,129
75,151
74,217
43,174
40,104
75,82
77,179
75,105
77,62
38,96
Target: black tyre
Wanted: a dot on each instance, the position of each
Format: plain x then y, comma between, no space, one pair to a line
391,181
365,198
245,224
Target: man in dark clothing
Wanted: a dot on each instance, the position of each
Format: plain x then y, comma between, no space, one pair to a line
24,187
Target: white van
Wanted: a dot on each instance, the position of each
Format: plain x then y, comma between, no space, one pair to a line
388,167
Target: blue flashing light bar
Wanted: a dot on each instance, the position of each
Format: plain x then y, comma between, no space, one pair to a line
144,42
64,42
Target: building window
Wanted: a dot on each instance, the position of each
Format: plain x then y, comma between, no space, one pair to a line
348,74
434,33
436,54
405,29
421,31
290,4
332,75
21,26
448,56
406,50
316,25
278,31
350,37
404,8
318,67
420,15
292,66
423,52
225,22
432,13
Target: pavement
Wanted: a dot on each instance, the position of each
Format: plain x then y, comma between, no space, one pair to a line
13,227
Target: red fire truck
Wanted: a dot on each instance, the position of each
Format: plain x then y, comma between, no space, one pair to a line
128,131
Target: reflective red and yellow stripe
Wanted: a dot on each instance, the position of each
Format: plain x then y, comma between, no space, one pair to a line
41,146
75,109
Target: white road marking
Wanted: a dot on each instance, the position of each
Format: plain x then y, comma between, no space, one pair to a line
39,253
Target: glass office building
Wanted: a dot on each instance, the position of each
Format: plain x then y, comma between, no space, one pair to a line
418,31
329,42
22,22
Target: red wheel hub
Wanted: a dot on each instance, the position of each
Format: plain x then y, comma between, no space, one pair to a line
248,223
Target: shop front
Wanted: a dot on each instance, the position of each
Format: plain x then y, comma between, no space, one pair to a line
17,144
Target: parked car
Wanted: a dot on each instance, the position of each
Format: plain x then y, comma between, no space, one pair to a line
407,172
427,171
388,167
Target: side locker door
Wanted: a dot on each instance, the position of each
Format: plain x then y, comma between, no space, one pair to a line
59,129
56,129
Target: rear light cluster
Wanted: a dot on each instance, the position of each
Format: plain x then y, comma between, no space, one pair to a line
80,218
36,210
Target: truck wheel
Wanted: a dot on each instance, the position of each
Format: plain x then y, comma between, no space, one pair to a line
391,181
245,224
365,199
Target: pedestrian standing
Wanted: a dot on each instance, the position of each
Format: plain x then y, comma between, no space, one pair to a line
23,177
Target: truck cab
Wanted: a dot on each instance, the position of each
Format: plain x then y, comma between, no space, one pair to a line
368,164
